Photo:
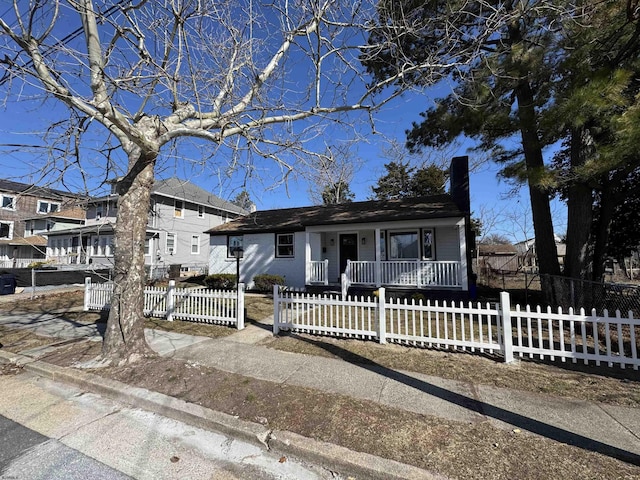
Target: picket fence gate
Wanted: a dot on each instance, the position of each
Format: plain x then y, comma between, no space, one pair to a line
491,327
222,307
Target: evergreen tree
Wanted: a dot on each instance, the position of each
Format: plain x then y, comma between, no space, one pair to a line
337,193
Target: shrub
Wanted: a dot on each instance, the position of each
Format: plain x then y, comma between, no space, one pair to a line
221,281
265,282
37,265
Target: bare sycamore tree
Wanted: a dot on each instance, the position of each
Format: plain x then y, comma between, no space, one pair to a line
254,78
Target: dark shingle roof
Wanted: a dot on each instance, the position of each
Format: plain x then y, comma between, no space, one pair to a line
35,190
373,211
185,190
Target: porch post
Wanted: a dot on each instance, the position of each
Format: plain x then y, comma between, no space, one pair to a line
464,279
307,258
378,259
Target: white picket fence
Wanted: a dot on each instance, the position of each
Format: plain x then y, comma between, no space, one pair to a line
470,327
223,307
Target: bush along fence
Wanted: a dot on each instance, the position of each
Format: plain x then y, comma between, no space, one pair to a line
491,328
222,307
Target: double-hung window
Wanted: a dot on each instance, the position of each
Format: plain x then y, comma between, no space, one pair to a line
171,244
195,244
284,245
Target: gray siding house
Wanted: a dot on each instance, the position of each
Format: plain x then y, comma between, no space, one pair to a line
179,214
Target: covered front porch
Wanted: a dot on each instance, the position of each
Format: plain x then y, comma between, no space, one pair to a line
421,255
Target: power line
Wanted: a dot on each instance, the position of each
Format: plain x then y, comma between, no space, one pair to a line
71,36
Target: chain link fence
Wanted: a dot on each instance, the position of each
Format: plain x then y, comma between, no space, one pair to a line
557,291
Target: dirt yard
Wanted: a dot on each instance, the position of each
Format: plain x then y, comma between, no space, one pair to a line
464,451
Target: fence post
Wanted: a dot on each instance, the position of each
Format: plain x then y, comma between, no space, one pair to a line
276,309
382,316
171,301
240,307
507,338
33,283
87,294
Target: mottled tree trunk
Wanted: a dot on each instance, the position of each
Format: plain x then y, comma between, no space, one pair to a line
124,339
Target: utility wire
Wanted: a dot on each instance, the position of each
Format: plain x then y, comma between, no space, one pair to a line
71,36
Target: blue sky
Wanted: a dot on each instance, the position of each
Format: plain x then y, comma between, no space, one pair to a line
502,213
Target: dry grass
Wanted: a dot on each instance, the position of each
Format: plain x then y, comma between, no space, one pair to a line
456,450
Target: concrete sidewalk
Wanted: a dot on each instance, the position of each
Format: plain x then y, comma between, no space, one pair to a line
607,429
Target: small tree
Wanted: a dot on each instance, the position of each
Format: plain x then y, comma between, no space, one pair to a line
402,181
337,193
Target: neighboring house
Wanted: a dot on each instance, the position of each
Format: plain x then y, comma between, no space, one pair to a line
27,214
179,214
528,257
498,257
413,242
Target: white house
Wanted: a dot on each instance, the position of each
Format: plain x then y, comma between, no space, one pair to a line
413,242
179,214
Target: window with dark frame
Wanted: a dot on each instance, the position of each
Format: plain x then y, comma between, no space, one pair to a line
428,244
284,245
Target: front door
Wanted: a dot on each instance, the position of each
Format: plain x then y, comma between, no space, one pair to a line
348,249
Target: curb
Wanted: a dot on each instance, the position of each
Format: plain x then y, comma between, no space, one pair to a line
357,465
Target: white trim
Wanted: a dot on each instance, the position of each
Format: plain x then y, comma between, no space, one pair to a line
49,204
10,223
13,202
196,244
175,243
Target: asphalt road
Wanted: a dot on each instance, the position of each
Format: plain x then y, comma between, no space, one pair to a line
26,454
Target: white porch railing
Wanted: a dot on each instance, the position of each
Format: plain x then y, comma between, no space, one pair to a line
19,262
318,272
416,273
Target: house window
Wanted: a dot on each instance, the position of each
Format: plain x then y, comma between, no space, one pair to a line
178,209
6,230
195,244
171,243
147,246
47,207
284,245
403,245
8,202
201,211
428,244
234,242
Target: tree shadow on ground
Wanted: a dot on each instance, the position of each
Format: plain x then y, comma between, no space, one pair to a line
517,420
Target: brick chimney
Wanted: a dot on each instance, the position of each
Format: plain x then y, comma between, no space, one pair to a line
459,183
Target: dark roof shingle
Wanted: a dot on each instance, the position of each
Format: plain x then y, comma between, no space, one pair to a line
373,211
